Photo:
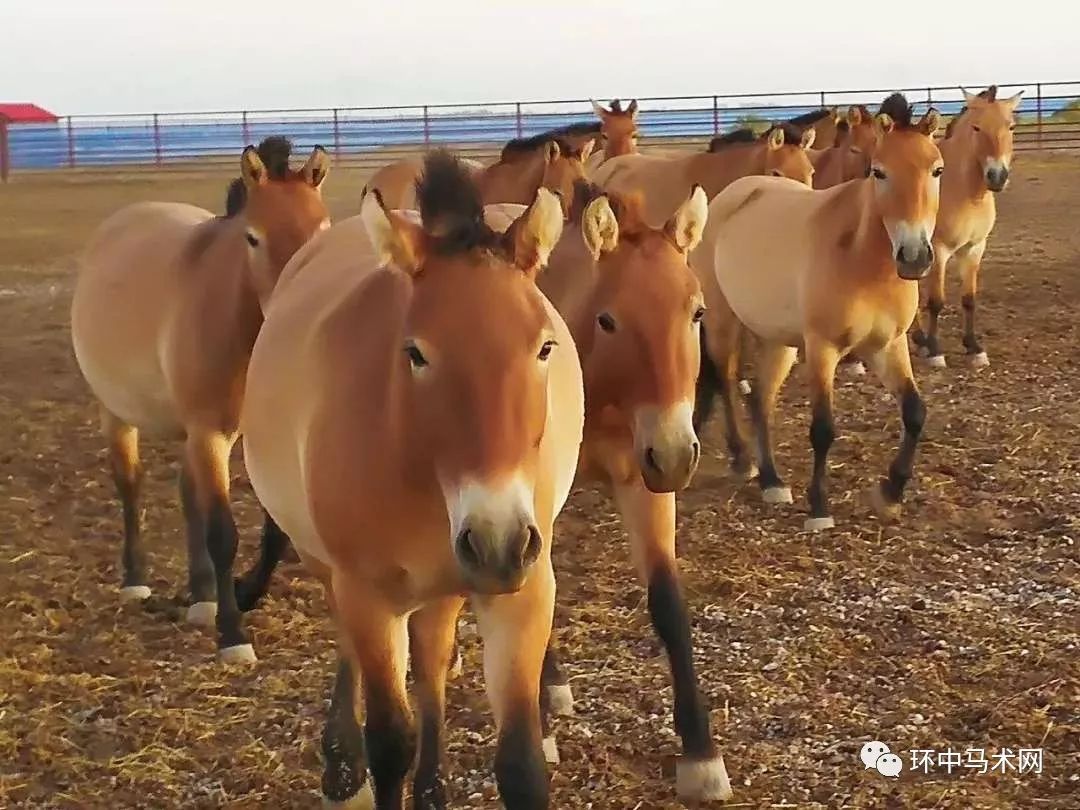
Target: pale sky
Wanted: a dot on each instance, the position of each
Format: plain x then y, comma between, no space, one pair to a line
99,56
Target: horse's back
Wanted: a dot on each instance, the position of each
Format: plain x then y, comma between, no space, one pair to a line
396,182
125,294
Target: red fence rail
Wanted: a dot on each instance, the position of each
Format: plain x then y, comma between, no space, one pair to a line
1048,118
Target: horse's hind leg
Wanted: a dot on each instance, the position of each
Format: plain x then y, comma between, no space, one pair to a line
431,641
252,586
207,457
969,274
821,360
934,285
201,585
892,365
127,474
516,628
774,363
650,521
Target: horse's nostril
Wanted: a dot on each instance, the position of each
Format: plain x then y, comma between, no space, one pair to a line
695,452
466,550
532,547
650,459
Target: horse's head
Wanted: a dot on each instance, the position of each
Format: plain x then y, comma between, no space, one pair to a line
990,121
564,165
618,127
786,148
641,346
906,176
281,209
474,355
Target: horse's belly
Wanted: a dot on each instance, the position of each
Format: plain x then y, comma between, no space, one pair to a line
761,289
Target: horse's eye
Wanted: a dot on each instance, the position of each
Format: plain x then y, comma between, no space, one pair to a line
878,173
699,313
938,171
416,357
252,239
545,350
1012,127
776,173
607,323
977,129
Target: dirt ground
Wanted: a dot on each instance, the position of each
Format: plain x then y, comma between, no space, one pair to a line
956,628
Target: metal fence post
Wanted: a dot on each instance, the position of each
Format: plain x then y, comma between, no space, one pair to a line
1038,116
427,127
5,154
520,130
337,137
70,144
157,141
822,95
715,115
245,133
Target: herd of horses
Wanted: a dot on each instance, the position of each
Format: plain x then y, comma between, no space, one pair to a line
418,387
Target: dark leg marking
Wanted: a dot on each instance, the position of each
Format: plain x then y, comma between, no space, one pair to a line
519,764
931,343
201,582
670,618
971,343
913,413
129,487
429,792
221,541
767,474
252,586
391,746
822,434
345,769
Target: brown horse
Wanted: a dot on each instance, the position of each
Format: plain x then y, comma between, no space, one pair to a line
619,130
413,418
834,272
849,156
978,153
634,307
167,305
664,180
515,178
825,122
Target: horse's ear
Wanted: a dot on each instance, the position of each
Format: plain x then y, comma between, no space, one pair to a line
808,137
395,239
587,149
632,109
930,123
687,224
252,168
551,151
854,116
776,138
972,99
532,236
834,114
599,227
601,113
316,168
1012,102
883,125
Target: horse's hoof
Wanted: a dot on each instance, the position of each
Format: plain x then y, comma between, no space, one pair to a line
819,524
745,473
363,799
936,361
702,780
551,751
776,495
886,509
456,667
561,699
202,614
134,593
237,654
980,360
856,369
744,387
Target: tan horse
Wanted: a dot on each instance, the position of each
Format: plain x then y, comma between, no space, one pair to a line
634,308
166,308
835,272
978,153
825,122
848,158
514,179
413,419
619,130
664,180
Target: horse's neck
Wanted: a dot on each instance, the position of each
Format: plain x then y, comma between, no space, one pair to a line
229,271
963,178
570,277
715,171
618,149
513,182
871,244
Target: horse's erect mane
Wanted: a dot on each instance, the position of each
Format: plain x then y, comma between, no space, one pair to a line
274,152
812,117
451,207
584,193
521,146
793,134
899,110
742,135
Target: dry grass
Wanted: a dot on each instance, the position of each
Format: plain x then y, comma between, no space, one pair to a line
958,627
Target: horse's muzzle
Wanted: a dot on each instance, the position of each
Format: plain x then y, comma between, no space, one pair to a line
497,560
913,262
997,177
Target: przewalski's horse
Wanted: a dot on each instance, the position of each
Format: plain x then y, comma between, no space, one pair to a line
555,165
664,180
166,308
848,158
634,308
619,130
833,271
978,153
825,122
413,418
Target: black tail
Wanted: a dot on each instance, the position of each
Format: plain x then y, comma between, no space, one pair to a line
253,585
708,383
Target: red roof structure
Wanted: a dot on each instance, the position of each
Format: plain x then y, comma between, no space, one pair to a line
25,114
